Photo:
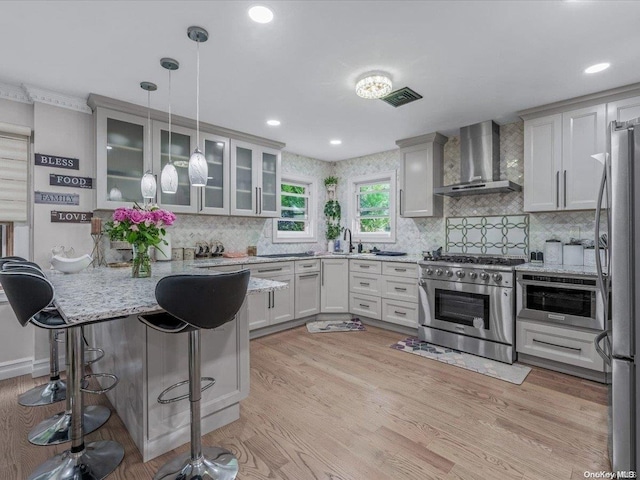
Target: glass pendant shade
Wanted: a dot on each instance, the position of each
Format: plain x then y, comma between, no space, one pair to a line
148,186
198,169
169,179
115,194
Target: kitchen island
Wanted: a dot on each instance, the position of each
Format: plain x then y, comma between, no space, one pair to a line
147,361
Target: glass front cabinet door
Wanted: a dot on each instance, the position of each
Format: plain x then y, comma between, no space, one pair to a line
214,198
122,158
255,180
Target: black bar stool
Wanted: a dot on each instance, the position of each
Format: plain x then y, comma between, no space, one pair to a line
29,293
191,303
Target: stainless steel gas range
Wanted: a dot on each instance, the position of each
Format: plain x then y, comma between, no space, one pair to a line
468,303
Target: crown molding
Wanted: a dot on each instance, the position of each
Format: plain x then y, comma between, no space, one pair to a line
56,99
14,92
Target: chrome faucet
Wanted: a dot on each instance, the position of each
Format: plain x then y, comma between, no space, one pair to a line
351,247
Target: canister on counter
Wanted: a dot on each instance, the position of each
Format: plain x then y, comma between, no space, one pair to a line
252,250
189,253
177,253
553,252
572,254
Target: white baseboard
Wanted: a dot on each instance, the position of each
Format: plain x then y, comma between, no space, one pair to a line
40,368
15,368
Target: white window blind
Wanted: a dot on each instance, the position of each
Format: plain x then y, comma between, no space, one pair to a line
14,157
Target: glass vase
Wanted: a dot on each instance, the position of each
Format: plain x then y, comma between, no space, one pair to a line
141,264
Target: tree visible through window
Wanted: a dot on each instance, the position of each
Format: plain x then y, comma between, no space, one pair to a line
373,207
295,222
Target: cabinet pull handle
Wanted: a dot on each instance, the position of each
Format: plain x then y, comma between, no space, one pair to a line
565,189
401,289
400,269
309,275
555,345
307,266
401,192
260,198
270,270
256,188
365,266
364,305
273,299
364,284
399,313
558,189
269,301
322,274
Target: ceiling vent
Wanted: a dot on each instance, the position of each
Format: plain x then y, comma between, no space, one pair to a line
401,97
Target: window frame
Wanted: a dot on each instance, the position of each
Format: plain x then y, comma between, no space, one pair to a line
354,184
311,234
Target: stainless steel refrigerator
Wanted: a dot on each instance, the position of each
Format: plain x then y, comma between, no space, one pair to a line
620,191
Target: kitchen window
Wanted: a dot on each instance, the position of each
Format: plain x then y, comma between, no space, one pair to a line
373,207
297,210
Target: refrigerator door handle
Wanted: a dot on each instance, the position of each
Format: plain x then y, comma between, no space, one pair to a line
605,352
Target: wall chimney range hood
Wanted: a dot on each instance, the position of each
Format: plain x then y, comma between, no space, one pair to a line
479,163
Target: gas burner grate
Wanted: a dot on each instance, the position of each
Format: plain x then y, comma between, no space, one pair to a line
479,260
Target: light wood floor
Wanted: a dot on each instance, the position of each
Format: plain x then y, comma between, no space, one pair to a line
346,406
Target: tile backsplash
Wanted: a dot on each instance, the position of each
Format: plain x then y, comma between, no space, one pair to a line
413,235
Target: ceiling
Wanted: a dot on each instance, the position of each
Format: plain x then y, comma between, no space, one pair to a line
471,60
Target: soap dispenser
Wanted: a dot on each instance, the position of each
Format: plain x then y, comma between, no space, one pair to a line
359,246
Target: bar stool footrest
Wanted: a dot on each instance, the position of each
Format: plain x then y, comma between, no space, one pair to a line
100,355
161,398
99,391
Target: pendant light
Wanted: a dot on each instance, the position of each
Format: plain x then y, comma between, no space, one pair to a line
169,175
148,182
198,168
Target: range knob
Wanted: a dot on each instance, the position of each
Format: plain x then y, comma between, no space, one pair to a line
497,277
484,276
449,273
473,275
460,273
429,271
438,271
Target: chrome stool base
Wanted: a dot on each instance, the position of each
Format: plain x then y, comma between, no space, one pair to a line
57,429
215,464
52,392
95,462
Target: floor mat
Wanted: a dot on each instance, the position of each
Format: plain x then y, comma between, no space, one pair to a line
509,373
355,325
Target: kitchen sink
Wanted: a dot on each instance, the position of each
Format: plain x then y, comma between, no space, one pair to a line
281,255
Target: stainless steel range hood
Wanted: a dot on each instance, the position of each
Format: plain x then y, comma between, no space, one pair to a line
479,163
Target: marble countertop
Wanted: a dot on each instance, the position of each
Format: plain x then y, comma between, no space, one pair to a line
568,269
218,261
104,293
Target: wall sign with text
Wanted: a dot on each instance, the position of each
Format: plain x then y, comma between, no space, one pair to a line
57,198
70,181
71,217
43,160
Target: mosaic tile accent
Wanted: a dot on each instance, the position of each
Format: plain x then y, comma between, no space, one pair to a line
499,235
509,373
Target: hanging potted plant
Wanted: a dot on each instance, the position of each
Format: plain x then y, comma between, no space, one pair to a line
333,214
330,184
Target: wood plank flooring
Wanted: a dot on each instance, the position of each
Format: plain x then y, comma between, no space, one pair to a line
346,406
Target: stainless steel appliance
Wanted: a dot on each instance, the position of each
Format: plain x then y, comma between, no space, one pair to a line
468,303
563,299
619,186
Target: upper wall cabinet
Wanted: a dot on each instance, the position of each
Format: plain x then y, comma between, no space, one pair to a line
122,156
255,180
421,160
214,197
623,110
559,172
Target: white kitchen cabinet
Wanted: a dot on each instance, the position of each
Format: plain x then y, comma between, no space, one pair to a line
334,288
307,294
366,305
277,306
559,172
255,180
282,301
623,110
211,199
400,313
421,160
258,310
122,157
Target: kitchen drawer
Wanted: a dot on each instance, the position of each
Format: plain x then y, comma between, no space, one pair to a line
271,269
366,305
365,266
306,266
399,269
227,268
397,288
401,313
563,344
366,283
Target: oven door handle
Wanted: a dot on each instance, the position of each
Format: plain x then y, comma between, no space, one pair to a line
557,285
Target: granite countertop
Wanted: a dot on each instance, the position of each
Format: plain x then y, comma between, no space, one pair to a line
104,293
219,261
568,269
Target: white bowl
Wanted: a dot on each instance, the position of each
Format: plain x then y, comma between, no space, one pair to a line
70,265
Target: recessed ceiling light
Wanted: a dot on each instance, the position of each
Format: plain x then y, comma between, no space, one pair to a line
598,67
260,14
335,142
273,123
